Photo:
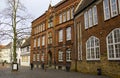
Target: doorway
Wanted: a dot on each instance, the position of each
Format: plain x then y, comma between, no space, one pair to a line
49,58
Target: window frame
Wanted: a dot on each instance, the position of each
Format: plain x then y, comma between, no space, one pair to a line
90,48
60,35
68,33
113,44
68,52
60,56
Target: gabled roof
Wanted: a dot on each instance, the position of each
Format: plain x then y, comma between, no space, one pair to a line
26,43
83,5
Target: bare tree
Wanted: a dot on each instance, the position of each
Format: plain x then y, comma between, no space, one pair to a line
14,23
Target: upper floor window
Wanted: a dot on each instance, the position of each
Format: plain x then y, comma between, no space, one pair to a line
38,41
90,17
93,49
50,22
43,40
50,38
113,45
64,17
34,42
68,55
110,6
114,10
72,12
60,55
60,35
106,9
68,33
68,15
95,19
60,18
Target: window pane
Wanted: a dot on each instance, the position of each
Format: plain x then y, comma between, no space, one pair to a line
86,19
68,30
60,35
114,11
95,19
90,18
106,9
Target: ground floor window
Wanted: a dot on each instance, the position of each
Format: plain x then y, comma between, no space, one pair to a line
93,48
60,55
68,55
113,45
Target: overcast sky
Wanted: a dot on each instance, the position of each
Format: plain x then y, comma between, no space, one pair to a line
35,7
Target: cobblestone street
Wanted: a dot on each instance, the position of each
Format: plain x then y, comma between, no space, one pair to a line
25,72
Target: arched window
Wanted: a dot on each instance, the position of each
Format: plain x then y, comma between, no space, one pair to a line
113,45
60,55
93,49
68,55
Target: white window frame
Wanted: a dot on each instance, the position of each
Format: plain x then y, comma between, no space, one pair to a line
68,15
64,17
60,56
34,43
43,40
68,55
115,10
95,18
119,5
60,35
38,57
90,16
92,46
72,12
60,18
34,57
112,44
38,41
68,33
86,20
42,57
106,15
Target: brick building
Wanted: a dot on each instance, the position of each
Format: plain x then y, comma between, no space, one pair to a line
97,31
53,35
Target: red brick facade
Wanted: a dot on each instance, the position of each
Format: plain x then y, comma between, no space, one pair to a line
48,25
100,31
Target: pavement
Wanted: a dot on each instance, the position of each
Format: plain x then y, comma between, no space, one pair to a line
25,72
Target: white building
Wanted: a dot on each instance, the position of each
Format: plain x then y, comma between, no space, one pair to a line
5,53
25,52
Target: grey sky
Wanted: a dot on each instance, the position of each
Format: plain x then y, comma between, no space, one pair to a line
35,7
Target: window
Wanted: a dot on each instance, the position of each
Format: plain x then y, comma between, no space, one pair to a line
34,57
119,5
114,10
60,56
43,26
42,57
68,33
50,22
68,15
68,55
95,20
72,12
86,20
60,35
38,57
60,18
50,38
106,9
113,45
34,43
93,49
43,40
90,17
64,17
39,42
